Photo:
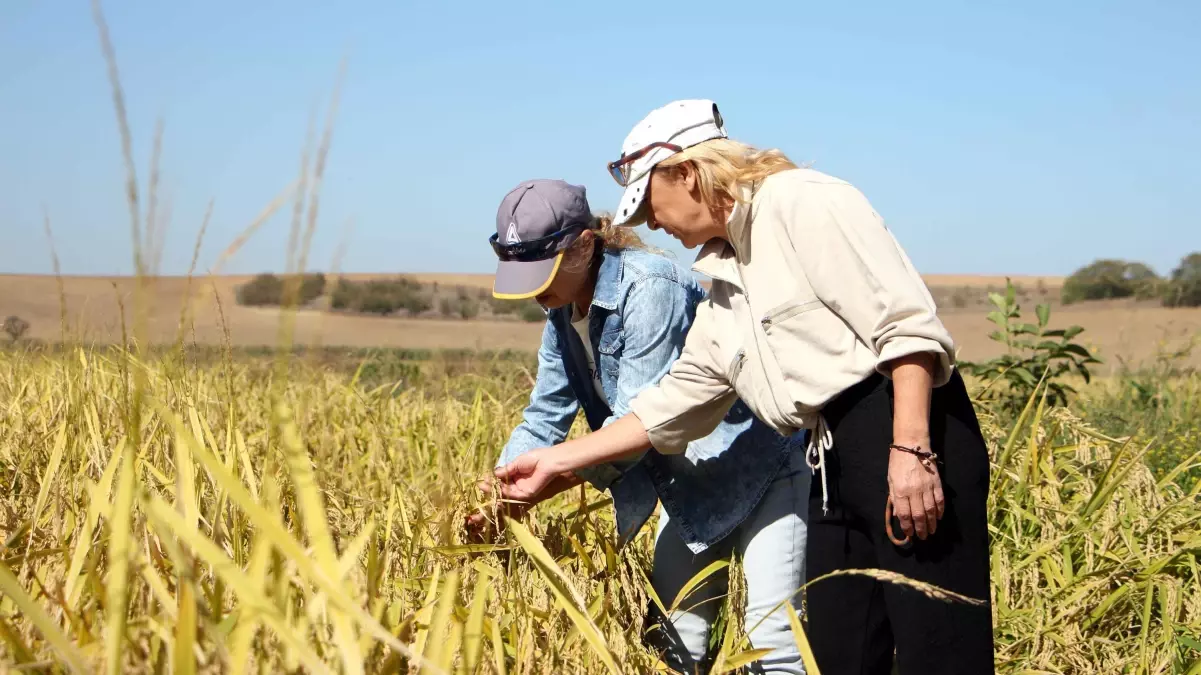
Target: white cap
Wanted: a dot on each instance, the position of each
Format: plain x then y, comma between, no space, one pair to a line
683,123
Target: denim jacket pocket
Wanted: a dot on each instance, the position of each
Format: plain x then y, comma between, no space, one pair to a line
609,357
611,341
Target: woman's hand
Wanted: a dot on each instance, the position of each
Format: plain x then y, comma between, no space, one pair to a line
479,523
916,490
914,485
528,475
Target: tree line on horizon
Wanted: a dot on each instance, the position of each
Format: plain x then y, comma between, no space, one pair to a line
1103,279
1110,278
382,297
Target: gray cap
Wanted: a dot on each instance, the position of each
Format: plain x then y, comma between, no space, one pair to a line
531,211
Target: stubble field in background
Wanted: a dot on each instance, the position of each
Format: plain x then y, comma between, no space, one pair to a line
1121,331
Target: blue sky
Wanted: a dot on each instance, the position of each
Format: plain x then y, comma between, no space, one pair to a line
1020,137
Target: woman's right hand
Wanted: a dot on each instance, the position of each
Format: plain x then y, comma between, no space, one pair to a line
528,475
492,512
534,476
514,507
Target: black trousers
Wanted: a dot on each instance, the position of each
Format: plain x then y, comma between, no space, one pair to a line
854,622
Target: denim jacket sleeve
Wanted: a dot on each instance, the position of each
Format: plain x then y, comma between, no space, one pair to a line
655,320
552,408
693,398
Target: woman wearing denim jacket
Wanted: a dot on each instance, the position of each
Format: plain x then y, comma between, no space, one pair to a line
818,320
616,320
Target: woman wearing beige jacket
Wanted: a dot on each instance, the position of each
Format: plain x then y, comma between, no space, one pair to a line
818,321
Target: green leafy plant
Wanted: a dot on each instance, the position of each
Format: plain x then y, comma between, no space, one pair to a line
1033,353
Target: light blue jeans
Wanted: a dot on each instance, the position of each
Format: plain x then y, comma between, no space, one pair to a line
771,546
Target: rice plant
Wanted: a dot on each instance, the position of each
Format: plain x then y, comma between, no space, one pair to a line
266,520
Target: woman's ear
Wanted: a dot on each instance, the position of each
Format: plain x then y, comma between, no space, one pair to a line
580,250
687,173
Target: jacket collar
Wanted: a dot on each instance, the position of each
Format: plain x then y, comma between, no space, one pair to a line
717,261
606,292
718,257
738,225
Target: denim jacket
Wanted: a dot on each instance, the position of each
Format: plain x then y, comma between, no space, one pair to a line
642,307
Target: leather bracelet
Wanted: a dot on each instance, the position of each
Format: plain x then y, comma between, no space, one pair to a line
927,457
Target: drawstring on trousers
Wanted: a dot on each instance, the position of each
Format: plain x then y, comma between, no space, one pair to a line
820,440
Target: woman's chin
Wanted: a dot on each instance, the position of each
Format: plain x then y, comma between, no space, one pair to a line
550,302
683,240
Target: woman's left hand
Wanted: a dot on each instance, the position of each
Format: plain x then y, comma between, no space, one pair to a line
916,490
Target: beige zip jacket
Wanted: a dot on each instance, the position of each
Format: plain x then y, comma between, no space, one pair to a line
811,295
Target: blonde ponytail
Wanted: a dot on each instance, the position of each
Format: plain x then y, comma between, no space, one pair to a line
613,237
616,238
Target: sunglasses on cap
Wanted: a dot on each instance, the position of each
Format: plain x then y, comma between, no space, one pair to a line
534,249
620,169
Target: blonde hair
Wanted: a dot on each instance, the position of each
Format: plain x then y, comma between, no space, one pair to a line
722,167
612,237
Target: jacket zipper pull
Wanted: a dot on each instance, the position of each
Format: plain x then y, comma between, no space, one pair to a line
739,362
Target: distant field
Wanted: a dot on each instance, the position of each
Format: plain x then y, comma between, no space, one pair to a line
987,281
1120,330
94,313
470,280
934,280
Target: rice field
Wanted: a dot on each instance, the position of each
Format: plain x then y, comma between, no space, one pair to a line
265,513
163,514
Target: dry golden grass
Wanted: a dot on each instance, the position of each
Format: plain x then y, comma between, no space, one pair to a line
239,517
